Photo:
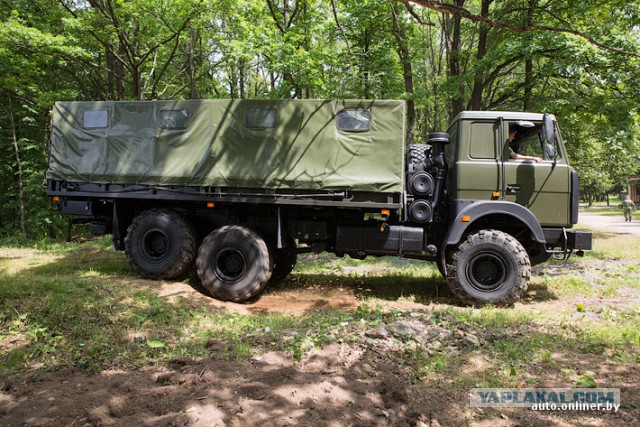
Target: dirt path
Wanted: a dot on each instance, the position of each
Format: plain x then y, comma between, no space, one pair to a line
613,224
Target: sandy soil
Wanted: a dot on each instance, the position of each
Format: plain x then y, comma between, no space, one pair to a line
338,385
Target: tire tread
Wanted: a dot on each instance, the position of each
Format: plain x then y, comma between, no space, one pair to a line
188,247
209,279
496,237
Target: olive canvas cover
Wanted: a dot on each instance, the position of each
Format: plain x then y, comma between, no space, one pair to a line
258,144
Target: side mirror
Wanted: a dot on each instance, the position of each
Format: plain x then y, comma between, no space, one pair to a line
551,151
550,129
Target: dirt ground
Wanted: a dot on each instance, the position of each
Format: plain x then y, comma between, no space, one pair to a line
269,390
334,386
338,385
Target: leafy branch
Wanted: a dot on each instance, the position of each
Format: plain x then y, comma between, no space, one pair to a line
451,9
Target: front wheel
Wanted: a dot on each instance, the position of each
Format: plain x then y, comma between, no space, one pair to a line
489,267
233,263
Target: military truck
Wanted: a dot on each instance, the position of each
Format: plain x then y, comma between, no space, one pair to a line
236,189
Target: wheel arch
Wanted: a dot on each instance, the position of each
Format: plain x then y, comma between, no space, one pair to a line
505,216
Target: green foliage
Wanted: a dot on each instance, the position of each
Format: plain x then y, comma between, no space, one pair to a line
587,380
66,50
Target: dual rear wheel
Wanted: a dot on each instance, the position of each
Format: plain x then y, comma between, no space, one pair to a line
233,263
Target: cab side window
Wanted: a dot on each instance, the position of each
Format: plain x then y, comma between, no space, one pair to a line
531,145
530,141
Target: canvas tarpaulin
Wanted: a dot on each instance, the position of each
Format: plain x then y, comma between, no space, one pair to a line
263,144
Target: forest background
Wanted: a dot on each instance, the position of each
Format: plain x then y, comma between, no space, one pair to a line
576,59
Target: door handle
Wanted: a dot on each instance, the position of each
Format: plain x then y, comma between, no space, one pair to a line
513,189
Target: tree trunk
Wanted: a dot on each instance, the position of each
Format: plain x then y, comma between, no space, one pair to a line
407,73
233,82
16,148
111,75
307,45
478,79
242,78
528,64
454,68
120,77
365,57
193,94
286,13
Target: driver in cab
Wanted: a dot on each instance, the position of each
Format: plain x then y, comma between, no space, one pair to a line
515,145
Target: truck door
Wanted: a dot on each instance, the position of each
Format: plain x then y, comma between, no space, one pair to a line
545,187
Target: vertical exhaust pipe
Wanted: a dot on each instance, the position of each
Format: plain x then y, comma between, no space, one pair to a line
438,140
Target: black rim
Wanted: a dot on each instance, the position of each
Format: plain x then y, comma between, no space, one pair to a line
155,245
487,272
230,264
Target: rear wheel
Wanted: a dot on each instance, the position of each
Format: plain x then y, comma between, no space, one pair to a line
161,244
233,263
489,267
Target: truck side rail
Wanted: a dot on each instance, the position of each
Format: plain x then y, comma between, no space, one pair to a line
344,198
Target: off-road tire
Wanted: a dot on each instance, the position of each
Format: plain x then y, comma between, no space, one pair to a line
489,267
234,263
416,153
161,244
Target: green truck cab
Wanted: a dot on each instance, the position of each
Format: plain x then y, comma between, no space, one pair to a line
236,189
505,204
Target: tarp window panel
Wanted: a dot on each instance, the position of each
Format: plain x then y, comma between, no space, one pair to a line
94,119
261,118
173,119
354,120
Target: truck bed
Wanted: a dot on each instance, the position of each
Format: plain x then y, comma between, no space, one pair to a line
284,150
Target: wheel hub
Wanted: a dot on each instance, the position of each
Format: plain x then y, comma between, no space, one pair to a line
230,264
156,245
487,272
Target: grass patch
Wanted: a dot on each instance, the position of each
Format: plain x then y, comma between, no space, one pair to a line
570,285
